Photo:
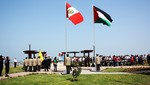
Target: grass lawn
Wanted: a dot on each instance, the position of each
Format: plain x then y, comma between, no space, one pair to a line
103,79
13,70
126,69
114,70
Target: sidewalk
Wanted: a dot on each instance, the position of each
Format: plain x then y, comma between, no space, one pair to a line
21,74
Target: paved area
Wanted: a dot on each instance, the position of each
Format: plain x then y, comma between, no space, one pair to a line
85,70
59,72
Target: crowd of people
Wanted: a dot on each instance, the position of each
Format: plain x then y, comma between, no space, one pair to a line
101,60
36,64
124,60
115,60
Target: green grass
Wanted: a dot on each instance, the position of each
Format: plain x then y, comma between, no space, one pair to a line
54,79
114,70
13,70
125,69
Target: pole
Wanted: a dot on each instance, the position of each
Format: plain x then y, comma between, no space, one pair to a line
94,42
65,29
93,34
66,37
29,46
94,39
65,33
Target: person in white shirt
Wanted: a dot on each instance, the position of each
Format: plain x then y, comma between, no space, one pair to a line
15,62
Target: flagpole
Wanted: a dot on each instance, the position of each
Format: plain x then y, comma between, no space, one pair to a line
94,38
65,34
108,23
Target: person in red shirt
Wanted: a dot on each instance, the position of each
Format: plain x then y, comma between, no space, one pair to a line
132,60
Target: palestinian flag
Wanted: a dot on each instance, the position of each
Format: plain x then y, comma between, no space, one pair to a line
101,17
73,14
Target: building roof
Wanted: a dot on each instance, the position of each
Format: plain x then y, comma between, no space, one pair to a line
86,51
30,51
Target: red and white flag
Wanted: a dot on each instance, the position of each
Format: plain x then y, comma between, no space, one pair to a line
73,14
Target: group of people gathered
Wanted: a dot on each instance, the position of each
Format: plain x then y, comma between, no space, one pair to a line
36,64
114,60
6,60
124,60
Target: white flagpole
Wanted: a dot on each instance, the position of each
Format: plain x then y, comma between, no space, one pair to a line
65,33
65,29
94,38
66,36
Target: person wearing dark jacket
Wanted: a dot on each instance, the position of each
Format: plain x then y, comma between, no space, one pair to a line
49,62
1,64
45,62
7,66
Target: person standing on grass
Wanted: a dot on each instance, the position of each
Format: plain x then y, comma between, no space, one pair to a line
7,66
1,64
148,59
15,62
26,63
39,64
30,64
45,62
132,60
97,63
114,60
68,64
34,64
136,59
49,62
55,64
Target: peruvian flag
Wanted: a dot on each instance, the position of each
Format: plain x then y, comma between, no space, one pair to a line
73,14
